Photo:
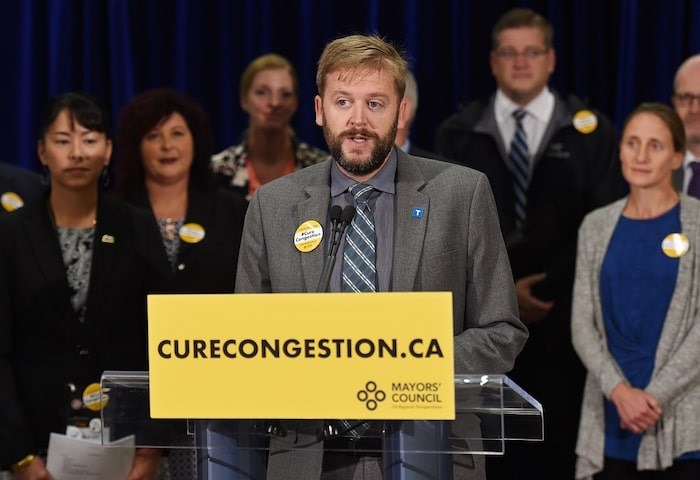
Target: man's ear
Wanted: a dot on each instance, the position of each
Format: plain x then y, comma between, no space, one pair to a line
404,112
318,108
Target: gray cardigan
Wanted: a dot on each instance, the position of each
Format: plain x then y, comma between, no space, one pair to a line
675,381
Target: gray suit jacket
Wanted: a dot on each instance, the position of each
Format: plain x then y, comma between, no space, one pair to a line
675,381
456,246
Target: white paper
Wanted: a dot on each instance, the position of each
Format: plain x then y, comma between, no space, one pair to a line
78,459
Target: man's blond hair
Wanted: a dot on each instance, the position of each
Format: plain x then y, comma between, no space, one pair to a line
359,54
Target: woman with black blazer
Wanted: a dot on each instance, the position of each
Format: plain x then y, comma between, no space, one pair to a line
163,146
73,287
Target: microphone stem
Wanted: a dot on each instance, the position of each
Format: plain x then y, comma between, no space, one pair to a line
324,281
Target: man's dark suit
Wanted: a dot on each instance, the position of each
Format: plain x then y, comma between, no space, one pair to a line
455,246
43,345
574,173
24,183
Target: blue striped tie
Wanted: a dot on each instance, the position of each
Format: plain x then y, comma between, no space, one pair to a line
694,184
520,166
359,270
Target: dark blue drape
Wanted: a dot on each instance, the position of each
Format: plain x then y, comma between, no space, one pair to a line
613,53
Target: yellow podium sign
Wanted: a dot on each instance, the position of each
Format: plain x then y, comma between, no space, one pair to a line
312,355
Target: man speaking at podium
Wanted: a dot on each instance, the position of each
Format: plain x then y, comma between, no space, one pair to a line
420,225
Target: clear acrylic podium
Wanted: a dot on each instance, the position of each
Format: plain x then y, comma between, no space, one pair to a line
490,410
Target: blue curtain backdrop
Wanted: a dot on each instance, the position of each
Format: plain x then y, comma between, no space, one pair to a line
612,53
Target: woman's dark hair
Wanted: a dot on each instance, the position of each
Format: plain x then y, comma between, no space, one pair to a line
84,109
144,112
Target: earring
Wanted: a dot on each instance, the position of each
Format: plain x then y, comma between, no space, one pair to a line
45,176
105,178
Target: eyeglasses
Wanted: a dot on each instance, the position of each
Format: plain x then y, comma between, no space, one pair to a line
510,54
686,99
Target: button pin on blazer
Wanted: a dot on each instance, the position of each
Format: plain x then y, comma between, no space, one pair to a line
308,236
585,121
11,201
417,212
192,233
106,238
675,245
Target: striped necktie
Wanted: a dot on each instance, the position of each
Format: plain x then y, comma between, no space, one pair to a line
694,184
359,270
359,275
520,166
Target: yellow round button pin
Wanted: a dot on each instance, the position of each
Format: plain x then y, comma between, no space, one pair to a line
93,399
675,245
192,233
308,236
10,201
585,121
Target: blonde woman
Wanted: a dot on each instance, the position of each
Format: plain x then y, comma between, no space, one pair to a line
269,94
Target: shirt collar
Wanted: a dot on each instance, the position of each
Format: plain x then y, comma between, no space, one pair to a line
384,180
541,107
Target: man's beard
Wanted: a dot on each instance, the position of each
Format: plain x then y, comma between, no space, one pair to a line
382,147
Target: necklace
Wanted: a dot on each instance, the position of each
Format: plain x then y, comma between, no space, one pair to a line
52,217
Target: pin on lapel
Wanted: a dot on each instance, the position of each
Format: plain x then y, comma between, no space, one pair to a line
107,238
417,212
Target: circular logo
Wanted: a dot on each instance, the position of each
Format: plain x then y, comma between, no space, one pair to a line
308,236
191,233
93,398
675,245
11,201
585,121
371,395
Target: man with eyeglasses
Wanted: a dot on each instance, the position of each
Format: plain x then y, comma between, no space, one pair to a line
550,160
686,100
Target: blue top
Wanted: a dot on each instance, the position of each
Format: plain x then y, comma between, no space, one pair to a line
636,284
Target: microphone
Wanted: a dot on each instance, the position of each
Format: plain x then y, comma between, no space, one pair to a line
340,219
347,216
336,212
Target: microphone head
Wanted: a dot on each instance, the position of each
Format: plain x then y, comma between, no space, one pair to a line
348,214
336,212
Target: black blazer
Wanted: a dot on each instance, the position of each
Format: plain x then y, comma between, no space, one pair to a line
20,181
43,346
208,266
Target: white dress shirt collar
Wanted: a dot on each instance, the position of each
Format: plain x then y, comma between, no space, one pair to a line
541,107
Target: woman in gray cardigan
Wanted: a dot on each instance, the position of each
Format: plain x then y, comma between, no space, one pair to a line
635,322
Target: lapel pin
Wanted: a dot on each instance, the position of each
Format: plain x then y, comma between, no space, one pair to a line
192,233
107,238
308,236
417,212
11,201
675,245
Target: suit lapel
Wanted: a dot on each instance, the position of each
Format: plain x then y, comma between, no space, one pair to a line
43,241
315,207
109,236
409,225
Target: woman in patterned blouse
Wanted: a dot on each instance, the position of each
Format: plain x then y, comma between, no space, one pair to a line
269,94
73,286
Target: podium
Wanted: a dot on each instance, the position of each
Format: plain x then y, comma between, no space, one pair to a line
490,410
